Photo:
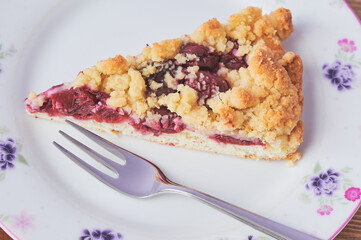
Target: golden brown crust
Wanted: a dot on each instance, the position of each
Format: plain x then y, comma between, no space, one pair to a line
116,65
280,110
240,98
294,141
160,51
240,25
265,99
281,20
293,65
211,33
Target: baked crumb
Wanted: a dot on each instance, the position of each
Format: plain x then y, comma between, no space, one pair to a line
234,77
32,95
211,33
116,65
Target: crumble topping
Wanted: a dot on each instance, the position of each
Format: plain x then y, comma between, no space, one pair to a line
136,93
154,85
163,50
32,96
211,33
116,65
235,77
240,25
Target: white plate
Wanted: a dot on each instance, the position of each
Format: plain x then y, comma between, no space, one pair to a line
46,196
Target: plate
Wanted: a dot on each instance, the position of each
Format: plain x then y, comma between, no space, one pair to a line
45,196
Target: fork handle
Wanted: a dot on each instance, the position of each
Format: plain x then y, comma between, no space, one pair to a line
267,226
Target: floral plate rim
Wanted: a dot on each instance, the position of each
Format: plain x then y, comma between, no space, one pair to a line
339,74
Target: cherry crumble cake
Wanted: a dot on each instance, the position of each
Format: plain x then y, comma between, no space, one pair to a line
226,88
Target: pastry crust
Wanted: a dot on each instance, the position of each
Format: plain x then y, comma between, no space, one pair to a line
211,33
115,65
264,100
160,51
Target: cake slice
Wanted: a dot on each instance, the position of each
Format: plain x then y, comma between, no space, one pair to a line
226,88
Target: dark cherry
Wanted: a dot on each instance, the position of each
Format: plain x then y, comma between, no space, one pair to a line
233,62
232,140
209,62
164,90
172,124
76,102
109,115
194,48
206,59
207,84
163,111
81,103
158,76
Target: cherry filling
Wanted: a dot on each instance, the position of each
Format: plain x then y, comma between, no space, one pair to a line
86,104
206,82
168,123
83,104
232,61
232,140
159,75
208,60
205,59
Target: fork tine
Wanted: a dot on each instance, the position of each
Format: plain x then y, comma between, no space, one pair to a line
115,149
113,166
87,167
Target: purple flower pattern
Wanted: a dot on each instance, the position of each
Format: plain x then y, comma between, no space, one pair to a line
342,72
10,154
339,74
7,154
98,234
329,187
325,183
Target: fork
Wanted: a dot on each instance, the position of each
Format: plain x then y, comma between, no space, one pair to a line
141,178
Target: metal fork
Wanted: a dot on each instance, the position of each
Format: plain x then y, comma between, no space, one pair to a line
141,178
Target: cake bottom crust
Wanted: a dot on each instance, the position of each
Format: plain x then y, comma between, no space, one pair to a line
185,139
